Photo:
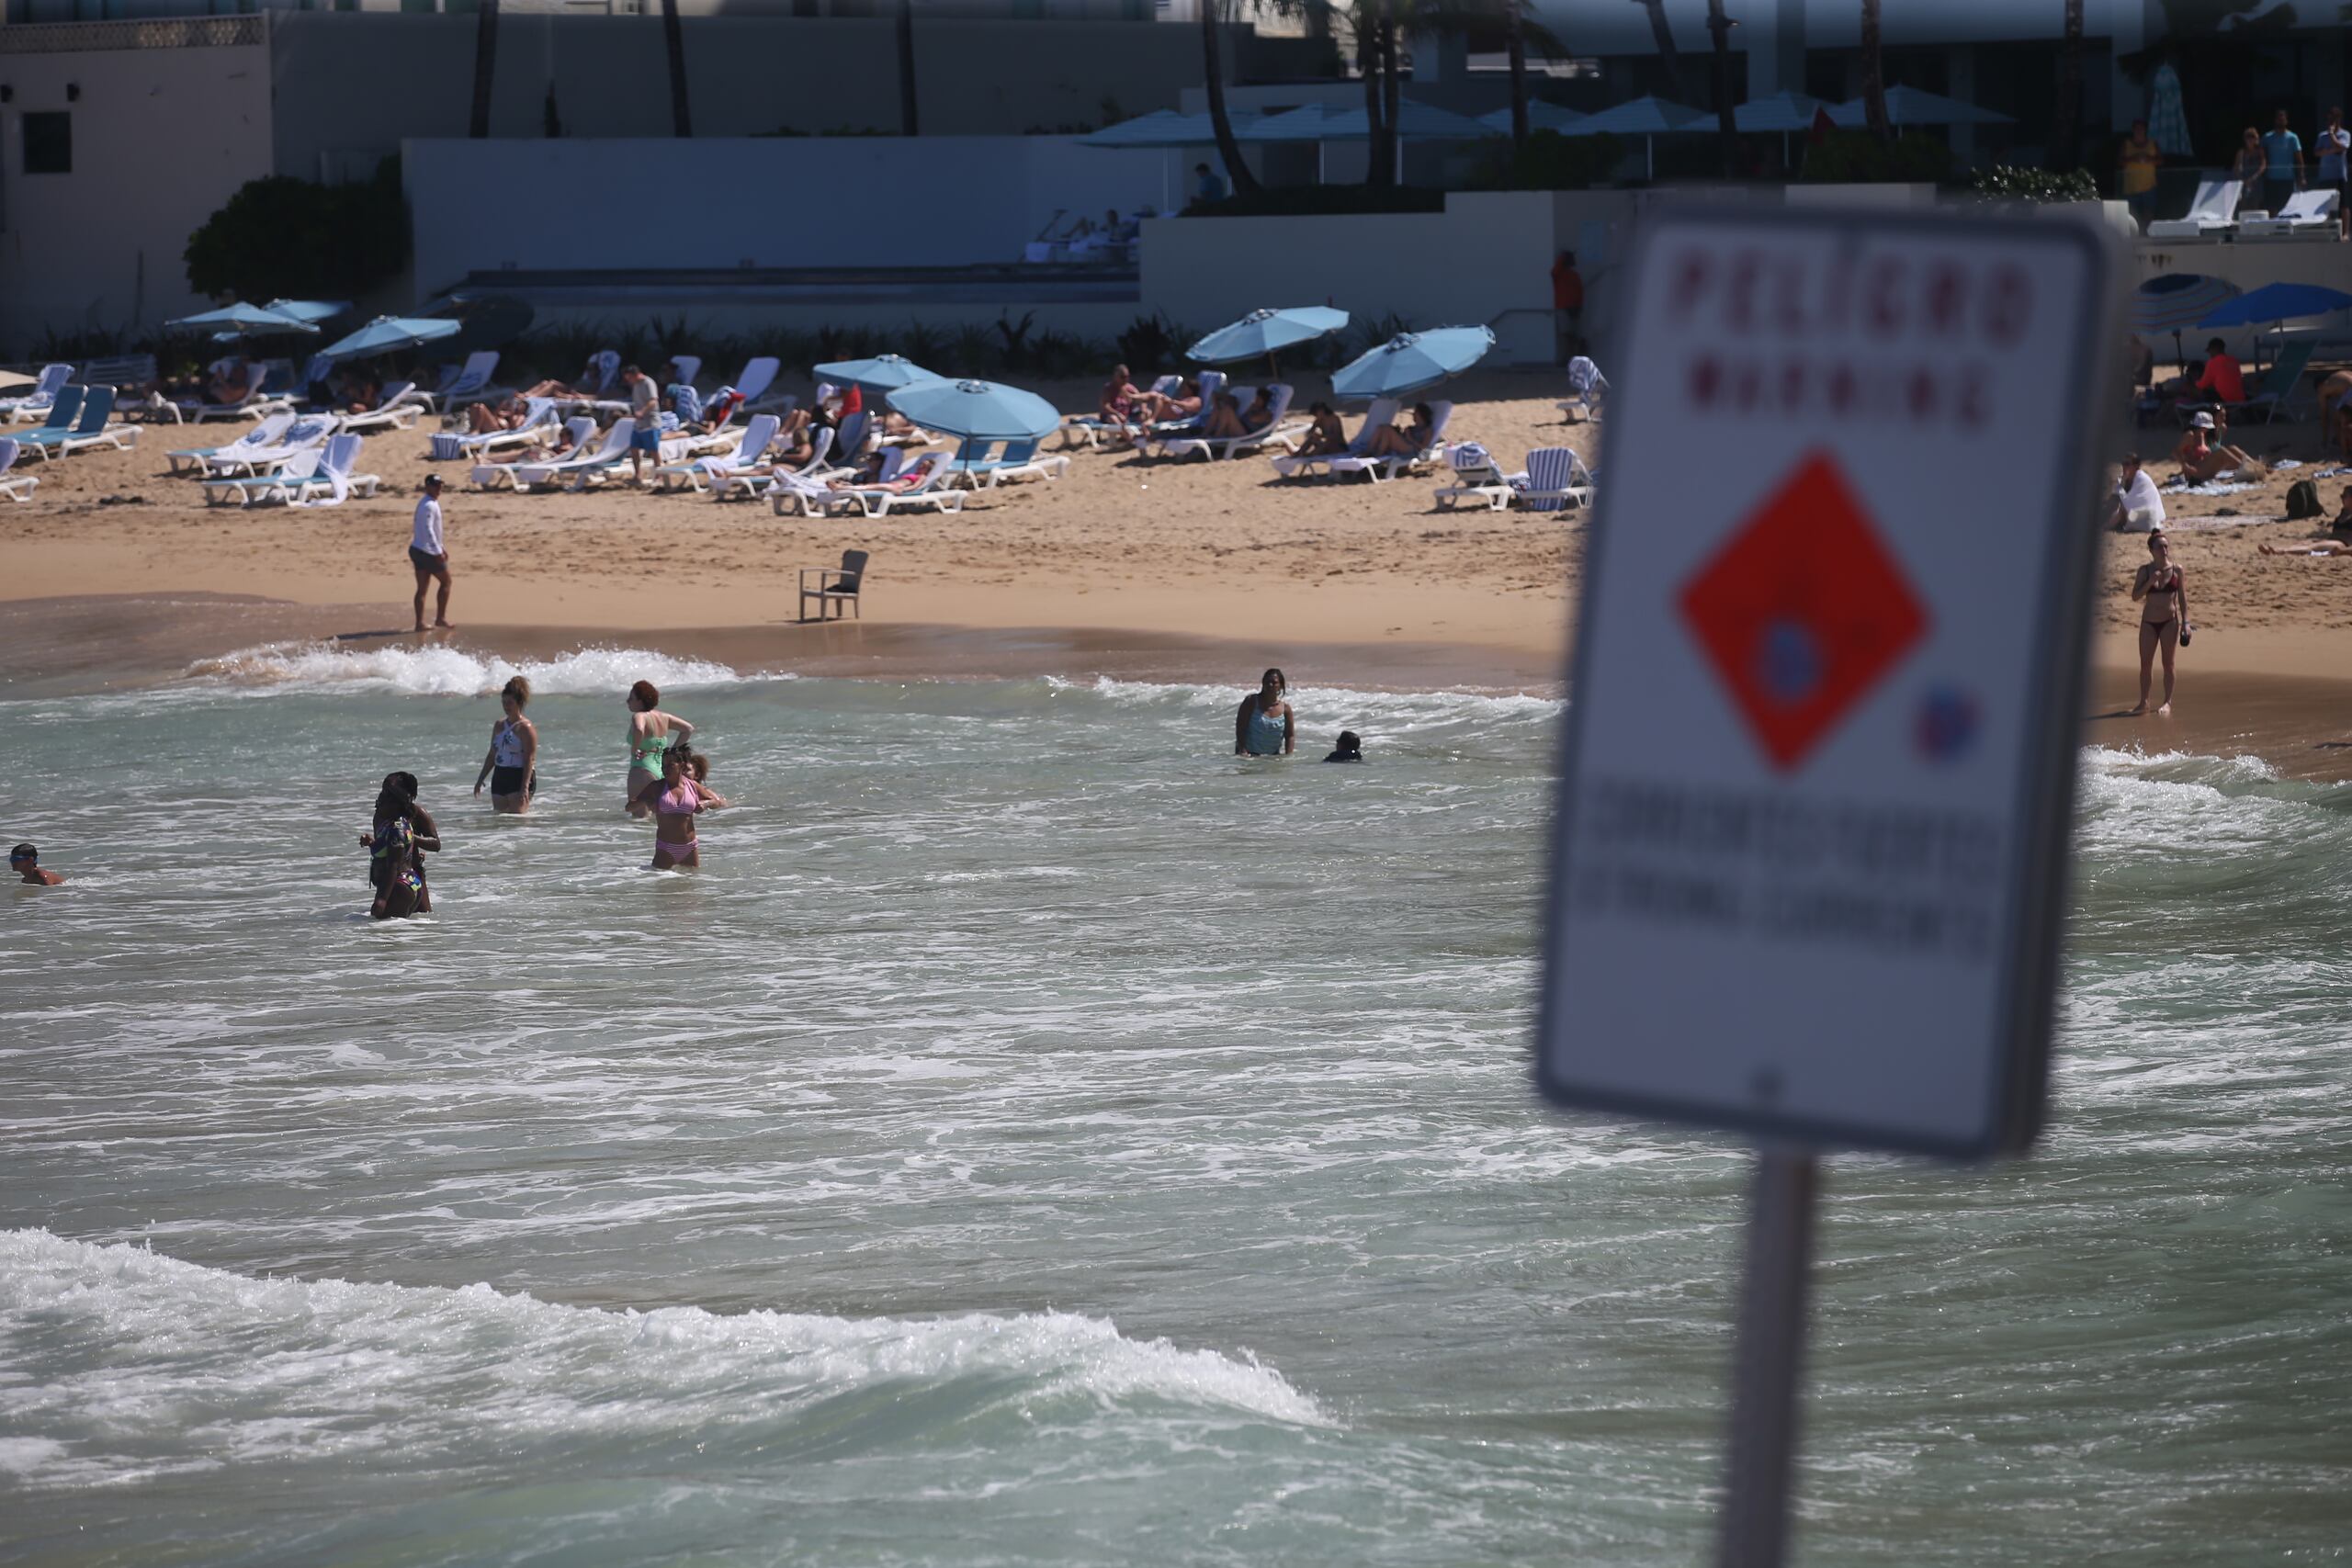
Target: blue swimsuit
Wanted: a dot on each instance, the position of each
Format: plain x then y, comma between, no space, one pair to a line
1266,733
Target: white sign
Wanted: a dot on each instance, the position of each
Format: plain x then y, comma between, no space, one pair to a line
1819,768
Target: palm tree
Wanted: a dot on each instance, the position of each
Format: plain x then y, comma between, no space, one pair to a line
1515,51
1667,55
1220,121
485,65
674,36
907,124
1873,77
2065,128
1719,27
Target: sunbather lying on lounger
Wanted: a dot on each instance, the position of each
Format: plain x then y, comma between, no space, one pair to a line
1390,442
2200,458
912,477
580,388
898,430
1325,434
1225,419
1159,407
481,419
1260,411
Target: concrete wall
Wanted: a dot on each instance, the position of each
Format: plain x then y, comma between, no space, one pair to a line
101,246
769,202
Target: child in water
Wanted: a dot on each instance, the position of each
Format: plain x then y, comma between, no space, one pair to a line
1350,750
401,893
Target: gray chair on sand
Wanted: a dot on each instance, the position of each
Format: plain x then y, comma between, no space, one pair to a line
833,588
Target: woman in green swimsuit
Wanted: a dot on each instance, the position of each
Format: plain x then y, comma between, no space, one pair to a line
651,732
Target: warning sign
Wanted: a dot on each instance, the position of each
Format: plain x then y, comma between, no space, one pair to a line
1818,775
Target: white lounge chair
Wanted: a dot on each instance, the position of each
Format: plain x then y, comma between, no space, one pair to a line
58,424
34,403
14,486
1588,389
489,476
1557,480
330,481
538,416
246,488
1209,382
689,367
2214,214
1478,477
305,435
756,386
254,404
195,460
751,443
89,414
929,490
1383,412
94,430
809,494
1276,432
583,464
1379,470
1091,429
399,409
469,385
775,483
2309,214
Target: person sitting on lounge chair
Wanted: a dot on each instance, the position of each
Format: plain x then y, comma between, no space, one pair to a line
1325,434
481,419
1225,419
1117,403
1390,442
869,477
231,380
1260,411
1183,403
898,430
2202,458
583,387
358,392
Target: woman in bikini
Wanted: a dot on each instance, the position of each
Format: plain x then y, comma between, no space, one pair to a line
1225,419
1325,434
1390,442
2201,458
511,763
652,732
676,800
2161,590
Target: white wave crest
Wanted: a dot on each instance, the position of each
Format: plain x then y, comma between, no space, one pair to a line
453,672
273,1369
1335,707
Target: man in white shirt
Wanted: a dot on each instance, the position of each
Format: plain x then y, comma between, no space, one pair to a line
2138,506
429,555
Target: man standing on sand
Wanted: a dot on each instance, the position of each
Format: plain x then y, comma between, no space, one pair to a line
428,555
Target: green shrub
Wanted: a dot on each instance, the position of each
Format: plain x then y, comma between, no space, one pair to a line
281,236
2012,182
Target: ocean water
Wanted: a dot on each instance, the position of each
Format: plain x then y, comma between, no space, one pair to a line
1038,1137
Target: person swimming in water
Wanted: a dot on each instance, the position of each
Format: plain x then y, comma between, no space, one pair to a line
676,800
396,802
1349,749
399,890
651,733
1264,727
24,860
511,763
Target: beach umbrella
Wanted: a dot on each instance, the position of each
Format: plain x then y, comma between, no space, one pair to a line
1163,127
311,311
1541,116
1264,332
388,334
977,411
2275,303
2167,118
1910,105
1783,112
1647,117
241,319
1410,361
2173,300
883,372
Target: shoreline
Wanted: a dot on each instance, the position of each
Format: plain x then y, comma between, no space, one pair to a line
2240,702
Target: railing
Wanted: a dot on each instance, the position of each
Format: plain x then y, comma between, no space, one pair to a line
177,32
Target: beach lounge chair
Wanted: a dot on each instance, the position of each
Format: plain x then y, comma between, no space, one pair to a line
399,409
834,587
34,403
2308,215
304,435
689,367
14,486
92,409
749,444
929,490
1091,429
1588,389
469,385
777,484
757,383
1211,382
538,415
849,447
97,407
63,410
2214,214
1556,480
267,434
1276,432
1478,477
253,403
579,468
1378,469
1019,460
330,481
809,493
581,429
2279,386
246,488
1383,412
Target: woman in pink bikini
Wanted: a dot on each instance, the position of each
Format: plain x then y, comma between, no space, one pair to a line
675,800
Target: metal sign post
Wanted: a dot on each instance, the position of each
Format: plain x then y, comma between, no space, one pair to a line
1821,744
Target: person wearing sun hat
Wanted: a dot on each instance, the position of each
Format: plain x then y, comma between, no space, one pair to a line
2201,458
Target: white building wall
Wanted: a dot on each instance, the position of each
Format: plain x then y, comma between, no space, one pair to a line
161,137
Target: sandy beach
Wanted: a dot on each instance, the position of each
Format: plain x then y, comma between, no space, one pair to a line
1127,565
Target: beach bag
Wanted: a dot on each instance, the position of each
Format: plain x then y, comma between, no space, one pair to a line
443,448
2302,500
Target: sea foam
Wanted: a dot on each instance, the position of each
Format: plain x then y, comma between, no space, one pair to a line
453,672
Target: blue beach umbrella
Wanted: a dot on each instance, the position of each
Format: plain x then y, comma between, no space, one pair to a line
977,411
1410,361
1264,332
311,311
388,334
2274,303
241,319
1541,116
2173,300
883,372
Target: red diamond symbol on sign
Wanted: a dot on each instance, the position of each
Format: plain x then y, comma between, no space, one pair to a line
1802,611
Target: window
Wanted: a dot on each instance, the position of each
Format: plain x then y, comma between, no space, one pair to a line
49,144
